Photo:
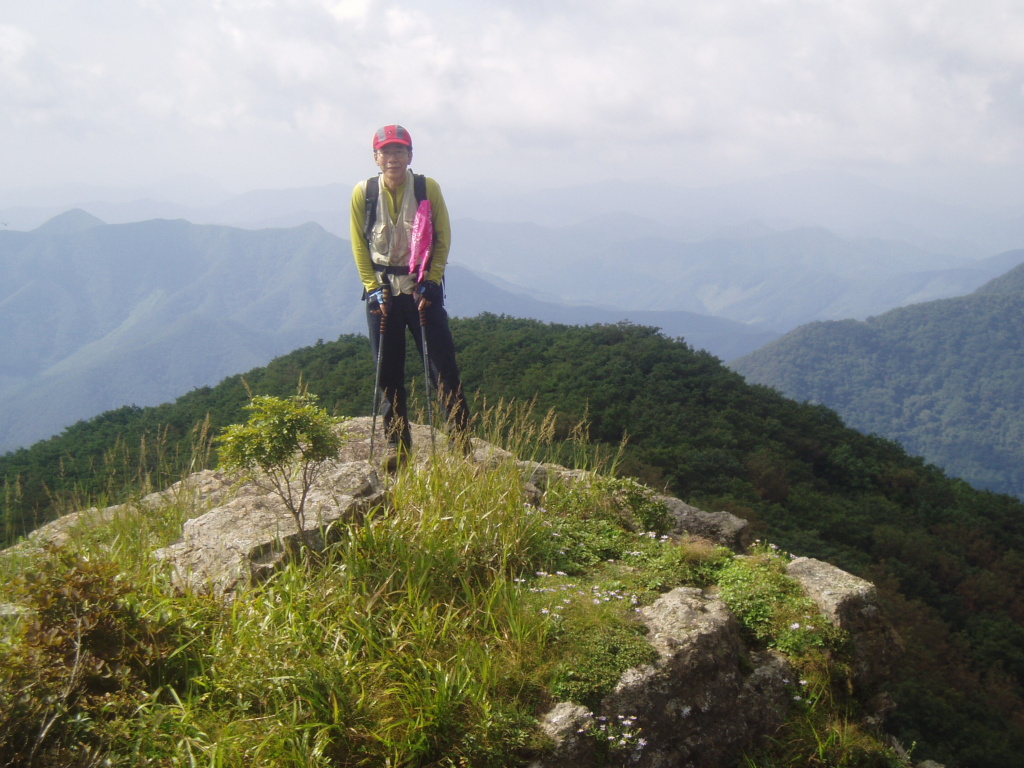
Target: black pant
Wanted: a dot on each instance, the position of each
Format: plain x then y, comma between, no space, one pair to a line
444,371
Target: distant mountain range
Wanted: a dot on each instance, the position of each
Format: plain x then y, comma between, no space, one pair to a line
96,316
846,205
775,281
944,378
776,252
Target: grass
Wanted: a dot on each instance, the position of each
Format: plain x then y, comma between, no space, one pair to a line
434,633
825,729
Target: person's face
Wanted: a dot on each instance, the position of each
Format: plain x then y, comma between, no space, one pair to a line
393,160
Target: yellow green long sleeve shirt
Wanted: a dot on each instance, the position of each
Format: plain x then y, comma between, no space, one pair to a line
439,219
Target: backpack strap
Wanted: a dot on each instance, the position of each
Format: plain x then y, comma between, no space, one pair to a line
370,212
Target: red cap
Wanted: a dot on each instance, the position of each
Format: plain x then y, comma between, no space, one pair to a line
391,134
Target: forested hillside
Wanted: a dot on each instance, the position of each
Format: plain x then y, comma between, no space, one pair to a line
944,378
948,559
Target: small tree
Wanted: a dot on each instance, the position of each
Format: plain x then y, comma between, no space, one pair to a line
283,448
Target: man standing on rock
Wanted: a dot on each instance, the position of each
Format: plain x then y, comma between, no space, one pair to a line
383,212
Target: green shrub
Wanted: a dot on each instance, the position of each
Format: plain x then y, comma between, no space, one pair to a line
772,606
283,447
84,654
599,519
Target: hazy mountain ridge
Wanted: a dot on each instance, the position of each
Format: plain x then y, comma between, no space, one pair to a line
725,338
847,205
591,254
97,316
100,316
776,281
944,378
776,252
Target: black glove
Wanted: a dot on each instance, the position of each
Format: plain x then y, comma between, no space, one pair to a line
430,291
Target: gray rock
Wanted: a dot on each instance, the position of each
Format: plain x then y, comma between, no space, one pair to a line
720,527
198,491
542,475
706,698
565,726
699,704
243,540
850,603
250,533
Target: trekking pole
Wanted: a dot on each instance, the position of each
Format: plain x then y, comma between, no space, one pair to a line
376,379
426,376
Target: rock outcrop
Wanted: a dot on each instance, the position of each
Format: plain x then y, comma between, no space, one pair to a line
701,703
721,527
705,699
850,603
243,540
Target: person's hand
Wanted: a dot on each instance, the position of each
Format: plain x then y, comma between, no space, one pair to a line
377,302
429,292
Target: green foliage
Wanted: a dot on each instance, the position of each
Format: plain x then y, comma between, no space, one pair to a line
837,742
613,526
84,656
285,442
623,504
826,726
772,606
606,555
278,433
595,650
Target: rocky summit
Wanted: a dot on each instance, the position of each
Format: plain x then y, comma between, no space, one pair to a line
706,697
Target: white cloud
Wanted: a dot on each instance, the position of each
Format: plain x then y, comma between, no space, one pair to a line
15,43
348,10
288,92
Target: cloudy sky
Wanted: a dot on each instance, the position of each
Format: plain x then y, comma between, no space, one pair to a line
918,94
